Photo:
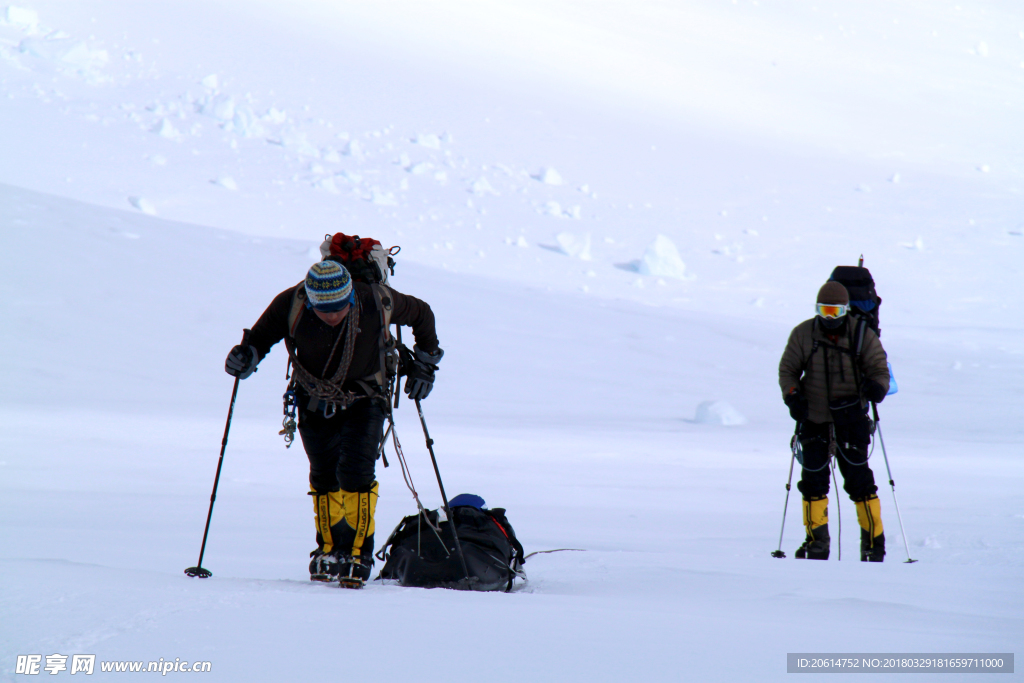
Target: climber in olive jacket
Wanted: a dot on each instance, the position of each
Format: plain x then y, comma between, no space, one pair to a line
827,385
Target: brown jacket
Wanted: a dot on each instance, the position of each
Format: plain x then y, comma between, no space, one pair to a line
315,338
829,373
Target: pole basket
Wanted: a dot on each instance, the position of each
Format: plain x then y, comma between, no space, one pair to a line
199,572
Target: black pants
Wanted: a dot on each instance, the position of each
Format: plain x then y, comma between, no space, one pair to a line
342,449
853,441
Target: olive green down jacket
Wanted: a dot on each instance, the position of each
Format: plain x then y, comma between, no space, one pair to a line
798,369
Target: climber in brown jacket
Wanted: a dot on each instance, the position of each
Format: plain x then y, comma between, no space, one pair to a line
831,369
335,331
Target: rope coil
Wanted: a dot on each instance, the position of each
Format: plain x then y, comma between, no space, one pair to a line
329,390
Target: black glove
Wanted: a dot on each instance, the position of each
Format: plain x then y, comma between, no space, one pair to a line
797,403
419,367
872,390
242,361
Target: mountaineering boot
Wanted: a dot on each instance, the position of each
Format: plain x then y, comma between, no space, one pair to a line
872,538
324,566
816,545
354,570
872,549
355,535
328,513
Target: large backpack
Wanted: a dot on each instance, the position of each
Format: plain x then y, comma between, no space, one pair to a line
864,300
421,552
365,258
865,304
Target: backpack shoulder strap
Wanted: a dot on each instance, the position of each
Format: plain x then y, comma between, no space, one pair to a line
814,347
298,306
382,295
858,335
384,299
858,345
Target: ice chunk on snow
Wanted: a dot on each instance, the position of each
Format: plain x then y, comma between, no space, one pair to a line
327,184
553,208
352,177
275,116
574,245
380,198
481,187
428,140
166,129
297,142
227,182
246,123
211,82
718,413
548,176
221,107
36,47
81,57
23,18
662,260
143,205
353,149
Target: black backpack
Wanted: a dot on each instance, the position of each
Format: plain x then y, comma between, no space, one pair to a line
864,300
416,555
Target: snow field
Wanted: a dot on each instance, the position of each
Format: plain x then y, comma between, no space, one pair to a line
617,216
675,518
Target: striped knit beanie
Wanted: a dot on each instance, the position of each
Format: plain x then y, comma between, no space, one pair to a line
328,286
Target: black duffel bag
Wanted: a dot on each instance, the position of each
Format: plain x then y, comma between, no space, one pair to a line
421,551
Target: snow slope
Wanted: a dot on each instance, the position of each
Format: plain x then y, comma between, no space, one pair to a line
170,168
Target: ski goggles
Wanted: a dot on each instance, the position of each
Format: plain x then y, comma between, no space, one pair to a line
832,311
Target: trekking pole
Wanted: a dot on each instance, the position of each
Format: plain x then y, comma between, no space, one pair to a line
878,426
793,446
839,512
198,570
444,497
